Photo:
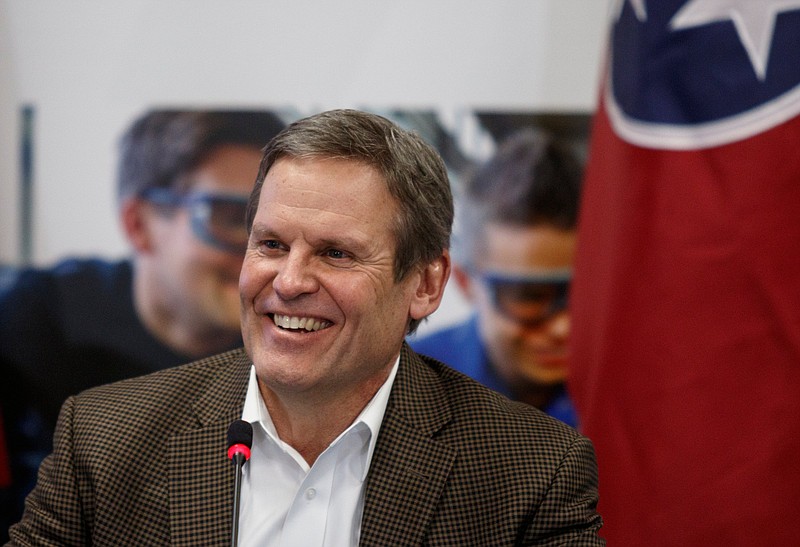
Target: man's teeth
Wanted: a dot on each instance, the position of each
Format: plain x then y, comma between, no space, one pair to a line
300,323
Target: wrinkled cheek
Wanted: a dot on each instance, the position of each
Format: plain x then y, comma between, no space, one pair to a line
252,281
247,293
245,279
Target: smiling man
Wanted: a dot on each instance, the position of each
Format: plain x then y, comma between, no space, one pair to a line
357,440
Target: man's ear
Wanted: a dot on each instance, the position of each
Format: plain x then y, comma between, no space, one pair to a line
135,216
430,287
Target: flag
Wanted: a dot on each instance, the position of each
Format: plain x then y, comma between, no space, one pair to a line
685,362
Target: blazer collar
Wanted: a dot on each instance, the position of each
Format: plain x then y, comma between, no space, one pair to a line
407,474
201,477
410,468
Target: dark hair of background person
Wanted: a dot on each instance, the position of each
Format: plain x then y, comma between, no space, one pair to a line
163,145
414,173
492,192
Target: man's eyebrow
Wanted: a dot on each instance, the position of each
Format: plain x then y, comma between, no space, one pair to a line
261,230
345,243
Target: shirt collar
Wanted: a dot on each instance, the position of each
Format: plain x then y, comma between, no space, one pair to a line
255,412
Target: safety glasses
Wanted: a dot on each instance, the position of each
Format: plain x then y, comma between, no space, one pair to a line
216,219
528,299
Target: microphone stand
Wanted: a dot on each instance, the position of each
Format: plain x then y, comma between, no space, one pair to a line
238,460
240,439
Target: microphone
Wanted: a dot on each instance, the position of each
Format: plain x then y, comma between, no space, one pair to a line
240,439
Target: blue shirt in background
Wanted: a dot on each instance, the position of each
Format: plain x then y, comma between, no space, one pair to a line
460,347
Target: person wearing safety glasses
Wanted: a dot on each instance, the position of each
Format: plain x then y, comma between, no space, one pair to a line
513,252
184,178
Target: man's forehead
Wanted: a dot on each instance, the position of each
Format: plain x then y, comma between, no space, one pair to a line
319,180
331,194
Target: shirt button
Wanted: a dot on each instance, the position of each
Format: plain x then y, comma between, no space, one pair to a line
311,494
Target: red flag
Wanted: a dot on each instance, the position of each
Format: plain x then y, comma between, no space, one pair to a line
686,297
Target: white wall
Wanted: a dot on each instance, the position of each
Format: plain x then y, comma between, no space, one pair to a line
90,66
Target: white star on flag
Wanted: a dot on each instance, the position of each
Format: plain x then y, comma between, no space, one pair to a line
638,8
754,21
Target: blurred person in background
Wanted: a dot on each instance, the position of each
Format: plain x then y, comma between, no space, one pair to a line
183,182
512,258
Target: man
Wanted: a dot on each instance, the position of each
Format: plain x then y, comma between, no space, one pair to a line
357,439
513,262
183,182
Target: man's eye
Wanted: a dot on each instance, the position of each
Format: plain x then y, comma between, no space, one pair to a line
271,244
336,253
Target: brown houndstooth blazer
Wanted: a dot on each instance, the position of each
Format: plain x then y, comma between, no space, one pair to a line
143,462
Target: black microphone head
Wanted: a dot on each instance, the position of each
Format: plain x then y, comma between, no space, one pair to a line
240,432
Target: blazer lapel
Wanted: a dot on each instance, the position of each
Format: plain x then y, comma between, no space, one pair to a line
410,468
201,477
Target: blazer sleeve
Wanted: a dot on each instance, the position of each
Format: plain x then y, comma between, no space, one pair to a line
568,514
53,513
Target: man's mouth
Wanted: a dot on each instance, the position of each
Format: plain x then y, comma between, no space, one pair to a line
308,324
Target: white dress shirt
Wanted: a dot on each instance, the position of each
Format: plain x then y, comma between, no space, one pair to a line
285,502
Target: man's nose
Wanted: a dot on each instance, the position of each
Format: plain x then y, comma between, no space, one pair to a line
295,277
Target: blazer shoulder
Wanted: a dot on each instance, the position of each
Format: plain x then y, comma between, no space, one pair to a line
527,475
479,411
169,392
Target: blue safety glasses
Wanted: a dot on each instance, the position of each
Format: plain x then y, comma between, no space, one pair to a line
216,219
528,299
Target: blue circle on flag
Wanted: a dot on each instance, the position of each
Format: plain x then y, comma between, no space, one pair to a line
678,66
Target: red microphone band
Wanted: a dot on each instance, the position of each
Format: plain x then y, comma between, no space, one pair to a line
242,449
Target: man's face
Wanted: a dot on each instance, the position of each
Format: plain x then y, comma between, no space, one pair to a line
521,323
321,313
198,279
